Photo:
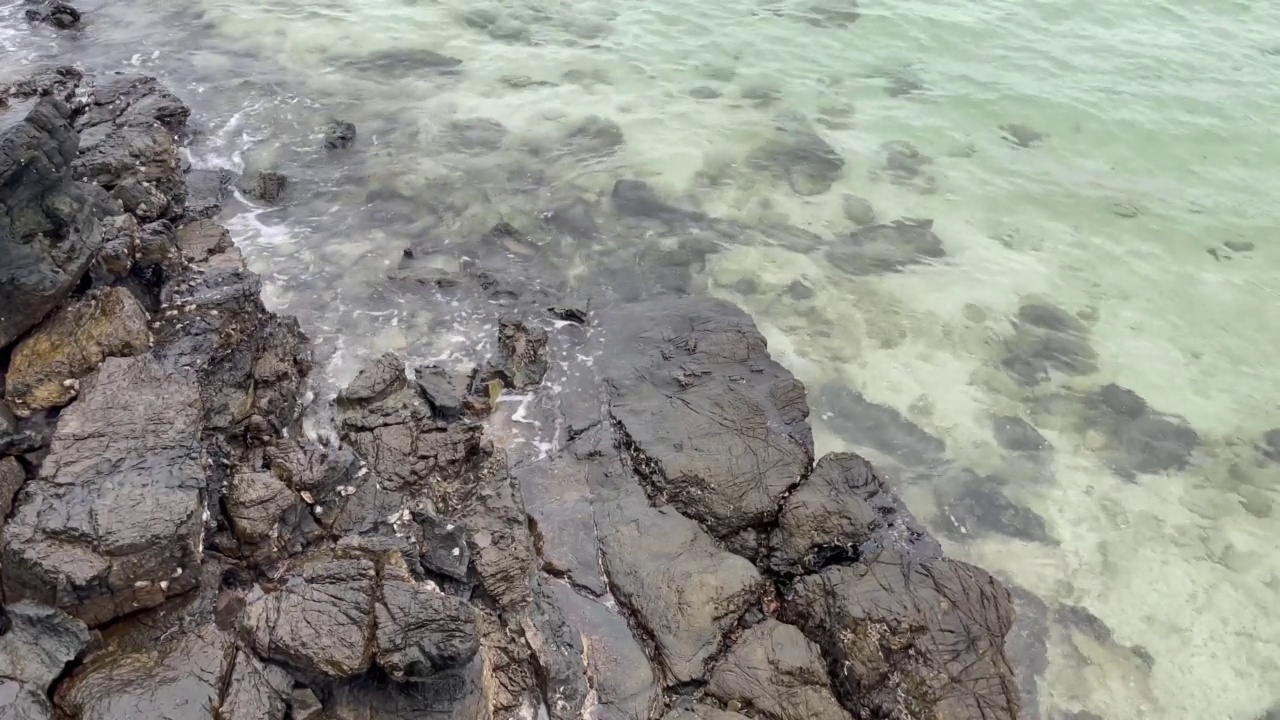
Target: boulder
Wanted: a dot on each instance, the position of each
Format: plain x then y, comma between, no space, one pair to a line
321,620
39,643
206,191
420,630
558,501
711,424
559,652
256,502
132,101
458,693
443,393
48,364
114,521
774,669
887,248
48,233
203,239
911,637
522,358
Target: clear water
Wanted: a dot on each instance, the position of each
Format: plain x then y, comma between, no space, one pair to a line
1159,145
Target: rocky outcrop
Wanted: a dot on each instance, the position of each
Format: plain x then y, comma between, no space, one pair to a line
650,536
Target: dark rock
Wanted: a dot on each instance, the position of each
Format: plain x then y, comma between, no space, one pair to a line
1031,355
1027,646
858,210
694,385
797,154
594,136
113,523
46,367
635,198
703,92
1020,135
1156,444
143,158
321,620
420,630
559,652
903,162
700,711
269,186
831,13
1052,318
20,437
569,313
304,705
58,14
1239,245
119,245
683,590
911,637
522,358
39,643
48,234
443,548
887,248
339,135
475,135
132,101
203,239
206,191
882,429
839,513
459,693
157,245
141,199
12,476
558,501
977,506
440,391
746,286
774,669
256,502
1017,435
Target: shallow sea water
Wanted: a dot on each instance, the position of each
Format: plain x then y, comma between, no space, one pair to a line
1159,145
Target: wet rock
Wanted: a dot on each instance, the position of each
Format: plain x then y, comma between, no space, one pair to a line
797,154
857,210
774,669
443,548
882,429
142,157
701,711
441,392
420,630
206,191
132,101
1032,355
475,135
594,136
683,590
522,358
157,245
621,676
1027,646
459,693
887,248
119,245
840,512
1239,245
39,643
1017,435
12,476
255,504
404,62
339,135
559,653
47,366
37,198
734,402
321,620
304,705
977,507
1019,135
1051,318
113,523
569,313
911,638
267,186
635,198
202,239
558,501
141,199
58,14
746,286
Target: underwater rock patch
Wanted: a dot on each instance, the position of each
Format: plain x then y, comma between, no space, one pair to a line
797,154
886,248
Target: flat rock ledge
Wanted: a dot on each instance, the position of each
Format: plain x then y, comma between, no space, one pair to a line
174,546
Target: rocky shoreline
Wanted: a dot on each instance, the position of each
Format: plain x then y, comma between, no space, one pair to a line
173,545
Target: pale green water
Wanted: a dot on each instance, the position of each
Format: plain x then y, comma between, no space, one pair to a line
1165,108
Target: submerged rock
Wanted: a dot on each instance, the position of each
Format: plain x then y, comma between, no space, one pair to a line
113,523
594,136
1047,339
977,507
635,198
403,62
475,135
1019,135
1017,435
857,210
886,248
267,186
339,135
882,429
58,14
797,154
47,366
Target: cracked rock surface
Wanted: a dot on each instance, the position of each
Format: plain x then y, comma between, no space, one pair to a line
651,537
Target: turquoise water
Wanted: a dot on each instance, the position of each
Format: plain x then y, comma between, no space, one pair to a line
1147,207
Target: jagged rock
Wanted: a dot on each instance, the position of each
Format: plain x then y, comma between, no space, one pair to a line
255,504
267,185
58,14
490,505
736,440
775,670
797,154
203,239
1017,435
157,245
12,476
133,100
119,247
522,358
133,150
420,630
559,650
617,669
887,248
141,199
48,364
510,672
206,190
48,233
910,637
113,523
440,391
304,705
339,135
839,513
683,590
39,643
321,621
